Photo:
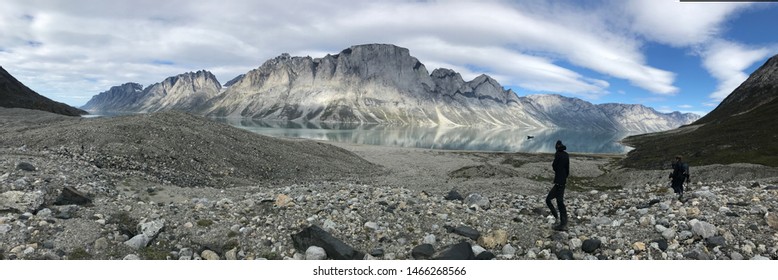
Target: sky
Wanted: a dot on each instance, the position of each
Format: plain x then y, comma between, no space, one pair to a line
665,54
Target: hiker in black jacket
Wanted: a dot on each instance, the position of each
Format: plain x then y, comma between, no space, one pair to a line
679,175
561,167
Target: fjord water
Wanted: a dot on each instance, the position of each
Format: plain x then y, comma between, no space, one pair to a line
502,139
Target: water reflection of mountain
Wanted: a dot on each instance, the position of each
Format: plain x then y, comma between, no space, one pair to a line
440,137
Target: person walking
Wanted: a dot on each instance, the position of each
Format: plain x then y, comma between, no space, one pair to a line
561,166
679,175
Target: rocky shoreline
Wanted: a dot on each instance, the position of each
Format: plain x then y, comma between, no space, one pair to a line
396,204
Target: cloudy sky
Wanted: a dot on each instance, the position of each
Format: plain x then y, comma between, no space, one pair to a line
668,55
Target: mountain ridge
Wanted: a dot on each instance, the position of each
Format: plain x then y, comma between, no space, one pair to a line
14,94
382,83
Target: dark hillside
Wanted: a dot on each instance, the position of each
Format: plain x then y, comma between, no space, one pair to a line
14,94
742,129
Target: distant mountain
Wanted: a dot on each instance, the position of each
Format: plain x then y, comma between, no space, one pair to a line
741,129
379,83
184,92
576,113
14,94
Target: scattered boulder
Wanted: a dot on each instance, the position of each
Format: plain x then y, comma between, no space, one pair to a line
19,201
591,245
564,254
283,200
476,200
715,241
466,232
459,251
485,255
315,253
703,229
25,166
493,239
316,236
423,252
453,195
661,243
772,220
71,195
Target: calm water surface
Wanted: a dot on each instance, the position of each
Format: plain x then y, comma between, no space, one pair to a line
440,137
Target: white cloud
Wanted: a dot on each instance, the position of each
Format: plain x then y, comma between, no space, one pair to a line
726,61
570,48
685,106
680,23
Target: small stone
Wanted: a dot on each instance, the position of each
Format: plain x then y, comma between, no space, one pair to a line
453,195
423,252
639,246
372,225
25,166
564,254
508,250
467,232
101,243
210,255
131,257
429,239
232,254
185,254
485,255
283,200
591,245
772,220
477,200
715,241
188,225
315,253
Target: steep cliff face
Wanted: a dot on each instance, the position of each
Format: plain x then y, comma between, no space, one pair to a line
185,92
123,98
368,83
14,94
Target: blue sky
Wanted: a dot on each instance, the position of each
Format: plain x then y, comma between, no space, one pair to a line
661,53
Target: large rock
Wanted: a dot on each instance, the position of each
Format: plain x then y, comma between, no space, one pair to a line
465,231
423,252
459,251
476,200
493,239
316,236
71,195
703,229
147,232
591,245
21,201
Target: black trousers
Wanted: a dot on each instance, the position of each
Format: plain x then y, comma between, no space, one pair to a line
558,192
677,186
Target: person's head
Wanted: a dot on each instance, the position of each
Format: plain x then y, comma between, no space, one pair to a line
678,158
559,145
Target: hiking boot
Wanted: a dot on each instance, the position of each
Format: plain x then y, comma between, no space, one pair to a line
559,227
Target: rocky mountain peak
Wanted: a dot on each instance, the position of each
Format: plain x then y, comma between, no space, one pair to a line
760,88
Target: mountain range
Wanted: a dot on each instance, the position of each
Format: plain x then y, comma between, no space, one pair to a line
14,94
375,83
740,129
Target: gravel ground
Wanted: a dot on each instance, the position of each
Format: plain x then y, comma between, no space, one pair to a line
174,186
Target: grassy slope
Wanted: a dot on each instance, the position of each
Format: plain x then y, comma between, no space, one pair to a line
751,137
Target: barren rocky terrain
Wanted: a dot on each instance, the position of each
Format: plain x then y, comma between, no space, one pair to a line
174,186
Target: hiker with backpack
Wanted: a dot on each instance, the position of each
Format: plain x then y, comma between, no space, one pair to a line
679,175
